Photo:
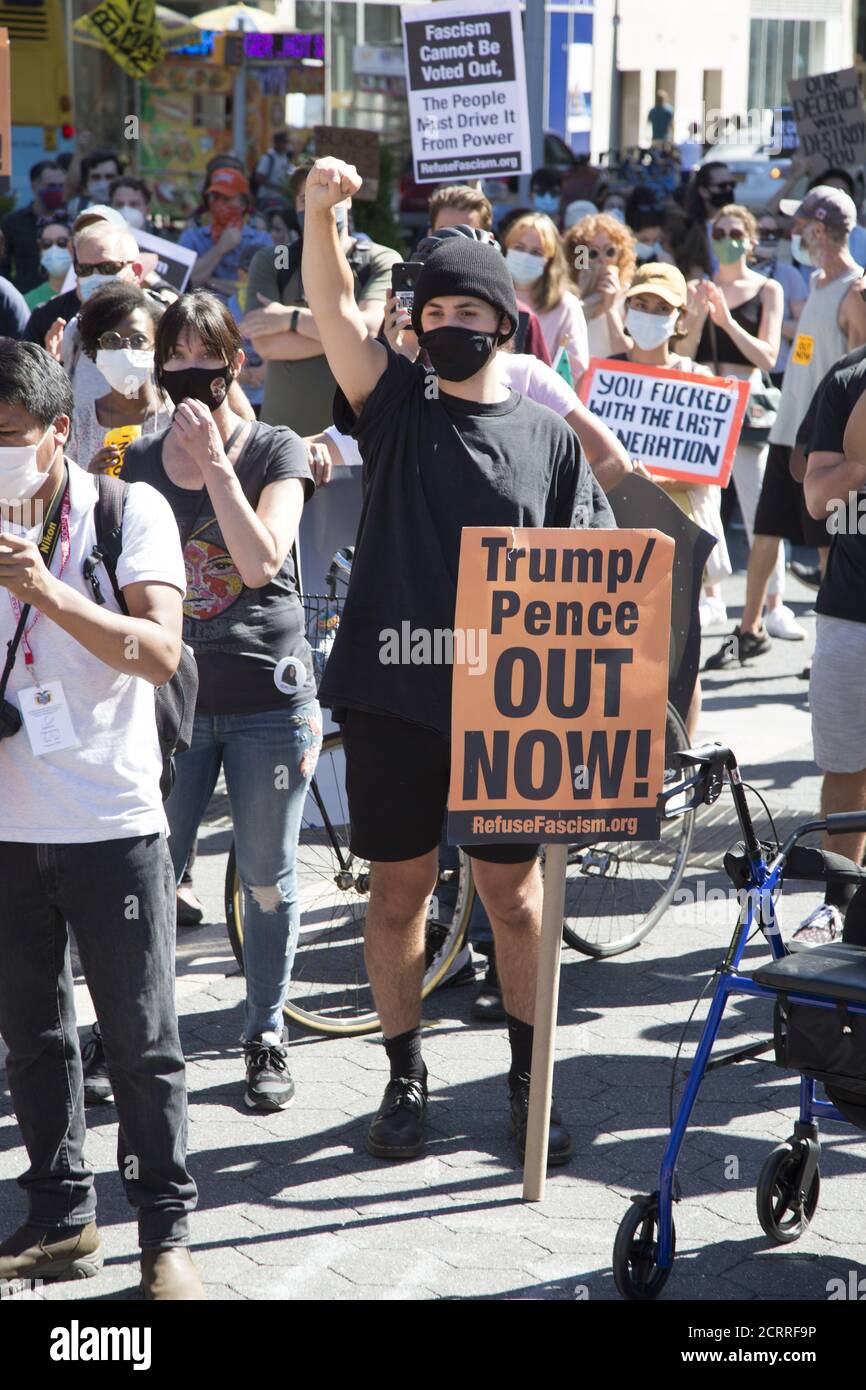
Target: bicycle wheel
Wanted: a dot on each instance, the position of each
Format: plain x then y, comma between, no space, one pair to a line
329,992
616,892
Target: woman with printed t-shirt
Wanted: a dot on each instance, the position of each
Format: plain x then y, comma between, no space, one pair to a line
734,326
533,254
237,489
117,330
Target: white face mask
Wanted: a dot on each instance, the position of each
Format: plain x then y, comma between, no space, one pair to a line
134,216
98,189
125,369
55,261
524,266
650,330
20,475
801,253
89,284
648,251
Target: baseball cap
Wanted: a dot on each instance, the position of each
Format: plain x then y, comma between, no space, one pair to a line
831,206
230,182
664,280
98,212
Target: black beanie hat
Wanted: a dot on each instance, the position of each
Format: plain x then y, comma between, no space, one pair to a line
462,266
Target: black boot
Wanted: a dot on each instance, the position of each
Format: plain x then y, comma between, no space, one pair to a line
398,1128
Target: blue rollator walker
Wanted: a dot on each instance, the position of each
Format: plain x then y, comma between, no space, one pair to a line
820,998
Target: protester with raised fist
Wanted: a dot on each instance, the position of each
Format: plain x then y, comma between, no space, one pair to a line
441,452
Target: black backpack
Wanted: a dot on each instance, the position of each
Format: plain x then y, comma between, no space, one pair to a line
175,701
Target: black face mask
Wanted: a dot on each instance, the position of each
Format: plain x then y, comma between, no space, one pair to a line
720,196
206,384
456,354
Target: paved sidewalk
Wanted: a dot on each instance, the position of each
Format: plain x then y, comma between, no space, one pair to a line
292,1207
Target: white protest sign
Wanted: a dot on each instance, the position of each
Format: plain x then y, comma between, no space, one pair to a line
174,263
678,424
466,86
828,110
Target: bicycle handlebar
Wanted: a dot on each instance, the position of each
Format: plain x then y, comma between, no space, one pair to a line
846,822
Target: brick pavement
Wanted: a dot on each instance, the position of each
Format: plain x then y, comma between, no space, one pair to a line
292,1207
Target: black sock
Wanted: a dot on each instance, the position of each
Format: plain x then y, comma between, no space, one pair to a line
520,1037
404,1054
839,895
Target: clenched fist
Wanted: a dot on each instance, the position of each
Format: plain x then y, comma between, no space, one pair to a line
329,182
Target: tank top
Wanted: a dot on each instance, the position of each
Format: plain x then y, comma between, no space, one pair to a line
819,344
748,316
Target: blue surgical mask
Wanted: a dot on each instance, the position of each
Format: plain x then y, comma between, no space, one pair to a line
89,284
546,202
56,260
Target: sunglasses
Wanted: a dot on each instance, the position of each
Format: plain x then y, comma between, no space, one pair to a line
101,268
722,187
594,253
736,234
769,233
111,342
58,241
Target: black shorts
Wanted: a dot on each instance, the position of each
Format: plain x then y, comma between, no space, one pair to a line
782,507
397,784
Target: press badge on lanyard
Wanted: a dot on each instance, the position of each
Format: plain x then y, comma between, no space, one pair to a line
43,707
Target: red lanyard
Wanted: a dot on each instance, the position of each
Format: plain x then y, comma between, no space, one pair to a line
64,556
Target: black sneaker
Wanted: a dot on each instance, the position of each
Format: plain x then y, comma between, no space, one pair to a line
739,647
98,1089
810,575
397,1130
269,1081
488,1006
559,1142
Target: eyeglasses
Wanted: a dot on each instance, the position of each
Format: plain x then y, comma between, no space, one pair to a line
594,253
58,241
110,342
736,233
101,268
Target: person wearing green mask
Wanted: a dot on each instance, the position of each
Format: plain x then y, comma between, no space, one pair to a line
734,326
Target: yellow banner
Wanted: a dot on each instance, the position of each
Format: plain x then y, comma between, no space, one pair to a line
128,30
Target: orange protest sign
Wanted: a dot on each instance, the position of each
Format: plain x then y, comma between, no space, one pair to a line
558,715
678,424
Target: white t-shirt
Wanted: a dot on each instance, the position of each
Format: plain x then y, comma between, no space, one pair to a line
108,787
533,378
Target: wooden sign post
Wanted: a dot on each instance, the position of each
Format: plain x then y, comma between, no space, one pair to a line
559,700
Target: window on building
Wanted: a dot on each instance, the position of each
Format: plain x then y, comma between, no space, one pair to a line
780,49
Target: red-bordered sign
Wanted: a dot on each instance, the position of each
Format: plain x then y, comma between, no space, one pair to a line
679,424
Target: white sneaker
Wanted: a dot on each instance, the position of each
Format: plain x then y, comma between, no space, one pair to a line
780,622
712,610
820,928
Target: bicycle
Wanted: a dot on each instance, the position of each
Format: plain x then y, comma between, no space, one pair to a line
615,892
831,977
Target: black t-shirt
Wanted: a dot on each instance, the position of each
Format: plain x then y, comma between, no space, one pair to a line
239,635
62,306
843,590
431,467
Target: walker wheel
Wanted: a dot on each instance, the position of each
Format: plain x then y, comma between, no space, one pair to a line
783,1215
635,1271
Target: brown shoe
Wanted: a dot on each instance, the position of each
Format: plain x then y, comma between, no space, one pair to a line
170,1274
33,1252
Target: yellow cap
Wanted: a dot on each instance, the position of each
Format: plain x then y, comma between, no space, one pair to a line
664,280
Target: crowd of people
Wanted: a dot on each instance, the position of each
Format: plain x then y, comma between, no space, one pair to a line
221,410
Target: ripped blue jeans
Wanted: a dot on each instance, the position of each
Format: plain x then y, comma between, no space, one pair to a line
269,760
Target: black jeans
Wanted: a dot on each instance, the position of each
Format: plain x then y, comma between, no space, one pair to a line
118,896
